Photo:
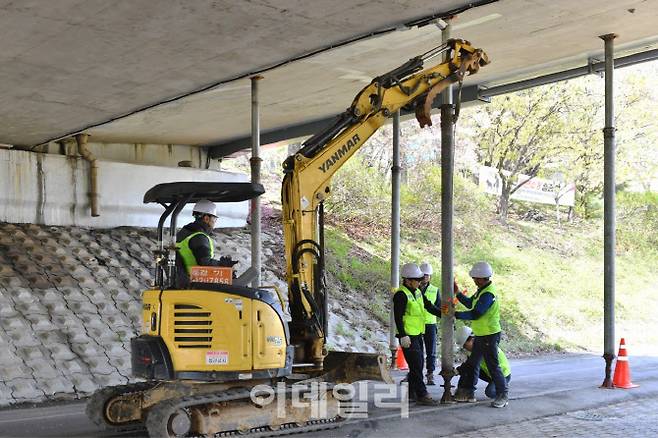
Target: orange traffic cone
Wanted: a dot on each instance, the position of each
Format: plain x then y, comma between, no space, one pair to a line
400,362
622,378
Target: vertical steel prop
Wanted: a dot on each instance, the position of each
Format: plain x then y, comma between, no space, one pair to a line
255,162
395,232
447,295
609,225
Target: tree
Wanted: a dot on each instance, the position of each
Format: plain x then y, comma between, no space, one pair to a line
518,134
582,159
636,136
637,131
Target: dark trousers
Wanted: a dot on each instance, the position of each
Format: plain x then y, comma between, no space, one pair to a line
490,390
414,357
429,339
484,347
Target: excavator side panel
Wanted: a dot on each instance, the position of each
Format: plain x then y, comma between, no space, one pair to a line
269,337
207,330
214,331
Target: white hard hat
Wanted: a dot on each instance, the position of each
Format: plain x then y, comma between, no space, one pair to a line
463,333
206,207
426,268
481,270
411,270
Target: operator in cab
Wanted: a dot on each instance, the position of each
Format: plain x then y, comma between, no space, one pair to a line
409,305
195,244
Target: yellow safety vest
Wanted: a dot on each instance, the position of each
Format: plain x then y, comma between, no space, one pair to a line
414,314
430,293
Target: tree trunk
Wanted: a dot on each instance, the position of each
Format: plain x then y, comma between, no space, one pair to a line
503,206
404,172
557,211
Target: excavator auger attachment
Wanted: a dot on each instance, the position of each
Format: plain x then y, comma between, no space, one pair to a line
470,64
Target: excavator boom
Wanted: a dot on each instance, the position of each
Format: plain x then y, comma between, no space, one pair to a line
308,174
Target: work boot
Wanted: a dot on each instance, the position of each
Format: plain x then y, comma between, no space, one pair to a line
500,401
426,400
430,379
464,395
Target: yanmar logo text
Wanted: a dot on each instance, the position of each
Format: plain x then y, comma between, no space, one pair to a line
344,149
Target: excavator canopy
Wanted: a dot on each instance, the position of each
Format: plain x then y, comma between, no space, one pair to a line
195,191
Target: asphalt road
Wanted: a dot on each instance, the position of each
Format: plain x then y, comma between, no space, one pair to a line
540,387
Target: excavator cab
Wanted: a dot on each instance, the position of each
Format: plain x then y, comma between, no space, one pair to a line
208,331
204,348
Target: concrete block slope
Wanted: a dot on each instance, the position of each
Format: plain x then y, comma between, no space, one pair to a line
70,300
69,304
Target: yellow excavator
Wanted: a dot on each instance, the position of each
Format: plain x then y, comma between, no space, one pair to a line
206,350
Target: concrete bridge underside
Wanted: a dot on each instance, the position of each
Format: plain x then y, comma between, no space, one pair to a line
107,67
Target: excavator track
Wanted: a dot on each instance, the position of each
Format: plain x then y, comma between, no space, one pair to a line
161,418
287,429
96,406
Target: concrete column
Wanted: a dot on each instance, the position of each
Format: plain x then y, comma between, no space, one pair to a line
447,168
609,224
255,178
395,231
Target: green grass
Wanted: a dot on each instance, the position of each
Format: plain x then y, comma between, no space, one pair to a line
550,282
549,275
360,272
340,329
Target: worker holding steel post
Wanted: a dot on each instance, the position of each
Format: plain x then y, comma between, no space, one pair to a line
484,312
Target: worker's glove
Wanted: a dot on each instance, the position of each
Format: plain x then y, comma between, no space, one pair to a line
405,341
227,262
445,309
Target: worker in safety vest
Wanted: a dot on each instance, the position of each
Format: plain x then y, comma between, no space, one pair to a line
465,339
431,293
195,244
409,306
484,312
